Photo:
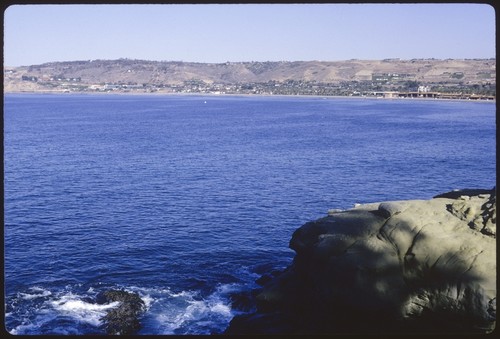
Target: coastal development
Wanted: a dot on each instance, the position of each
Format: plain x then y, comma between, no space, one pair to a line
471,79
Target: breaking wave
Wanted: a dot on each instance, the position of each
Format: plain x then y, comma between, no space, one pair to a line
42,311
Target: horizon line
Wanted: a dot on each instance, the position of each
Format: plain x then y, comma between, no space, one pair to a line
251,61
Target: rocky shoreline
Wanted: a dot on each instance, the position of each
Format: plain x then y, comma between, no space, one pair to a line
403,267
397,267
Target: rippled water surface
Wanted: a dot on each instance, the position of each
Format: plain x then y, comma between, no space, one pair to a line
186,199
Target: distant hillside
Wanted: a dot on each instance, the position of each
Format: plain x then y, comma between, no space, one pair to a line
126,71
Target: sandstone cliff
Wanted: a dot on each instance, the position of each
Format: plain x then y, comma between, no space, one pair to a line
420,266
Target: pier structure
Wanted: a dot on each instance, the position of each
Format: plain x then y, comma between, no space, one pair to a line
433,95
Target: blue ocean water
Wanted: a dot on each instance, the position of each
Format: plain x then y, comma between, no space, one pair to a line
186,199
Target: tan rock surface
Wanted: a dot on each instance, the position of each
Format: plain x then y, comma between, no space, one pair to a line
404,266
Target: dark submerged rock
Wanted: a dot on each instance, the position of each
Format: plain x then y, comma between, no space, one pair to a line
244,301
124,319
465,192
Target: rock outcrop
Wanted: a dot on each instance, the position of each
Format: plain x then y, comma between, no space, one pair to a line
124,319
418,266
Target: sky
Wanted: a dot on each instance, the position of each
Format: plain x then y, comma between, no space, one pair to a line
217,33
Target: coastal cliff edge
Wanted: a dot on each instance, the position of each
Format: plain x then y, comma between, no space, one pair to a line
415,266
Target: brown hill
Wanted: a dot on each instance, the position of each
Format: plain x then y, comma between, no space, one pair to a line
467,71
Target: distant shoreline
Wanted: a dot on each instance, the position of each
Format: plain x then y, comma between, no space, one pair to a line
247,95
433,78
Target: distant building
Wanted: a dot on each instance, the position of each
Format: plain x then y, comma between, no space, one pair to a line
29,78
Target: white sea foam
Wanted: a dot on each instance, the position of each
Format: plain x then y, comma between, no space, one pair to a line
184,312
28,296
35,292
33,320
73,306
167,312
148,300
221,309
23,329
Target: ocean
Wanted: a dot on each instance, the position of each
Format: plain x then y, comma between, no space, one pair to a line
187,199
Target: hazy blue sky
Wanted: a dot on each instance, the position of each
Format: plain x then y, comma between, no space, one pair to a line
35,34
